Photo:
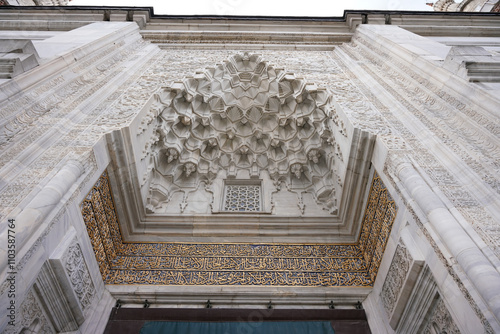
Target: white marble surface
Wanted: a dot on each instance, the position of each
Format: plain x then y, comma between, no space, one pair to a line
436,147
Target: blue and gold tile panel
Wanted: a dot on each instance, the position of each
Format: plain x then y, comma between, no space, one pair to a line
349,265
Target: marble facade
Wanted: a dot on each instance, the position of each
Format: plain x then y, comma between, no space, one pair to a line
301,161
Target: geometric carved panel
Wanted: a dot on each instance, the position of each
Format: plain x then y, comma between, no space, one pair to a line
242,198
271,264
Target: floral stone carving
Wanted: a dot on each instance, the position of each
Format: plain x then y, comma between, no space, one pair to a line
79,276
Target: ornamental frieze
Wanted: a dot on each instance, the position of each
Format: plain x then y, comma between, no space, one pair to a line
175,263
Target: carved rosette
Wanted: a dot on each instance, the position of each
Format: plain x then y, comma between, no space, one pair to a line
79,275
242,115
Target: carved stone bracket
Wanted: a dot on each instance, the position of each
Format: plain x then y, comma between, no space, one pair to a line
440,320
426,312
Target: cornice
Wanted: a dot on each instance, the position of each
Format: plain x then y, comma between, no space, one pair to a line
187,31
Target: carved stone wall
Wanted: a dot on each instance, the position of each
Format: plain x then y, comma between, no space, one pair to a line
446,117
461,162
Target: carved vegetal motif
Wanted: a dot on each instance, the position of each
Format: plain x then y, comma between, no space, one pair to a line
441,321
238,263
79,275
395,278
242,115
31,317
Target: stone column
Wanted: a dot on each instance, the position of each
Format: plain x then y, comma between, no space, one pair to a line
30,218
474,263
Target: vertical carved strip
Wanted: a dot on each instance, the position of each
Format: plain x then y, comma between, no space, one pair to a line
79,275
379,217
369,215
95,238
109,206
398,271
102,224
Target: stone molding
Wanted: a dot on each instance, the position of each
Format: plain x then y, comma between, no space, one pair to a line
70,268
256,297
53,300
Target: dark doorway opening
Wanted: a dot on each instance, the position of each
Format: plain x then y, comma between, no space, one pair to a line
131,320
